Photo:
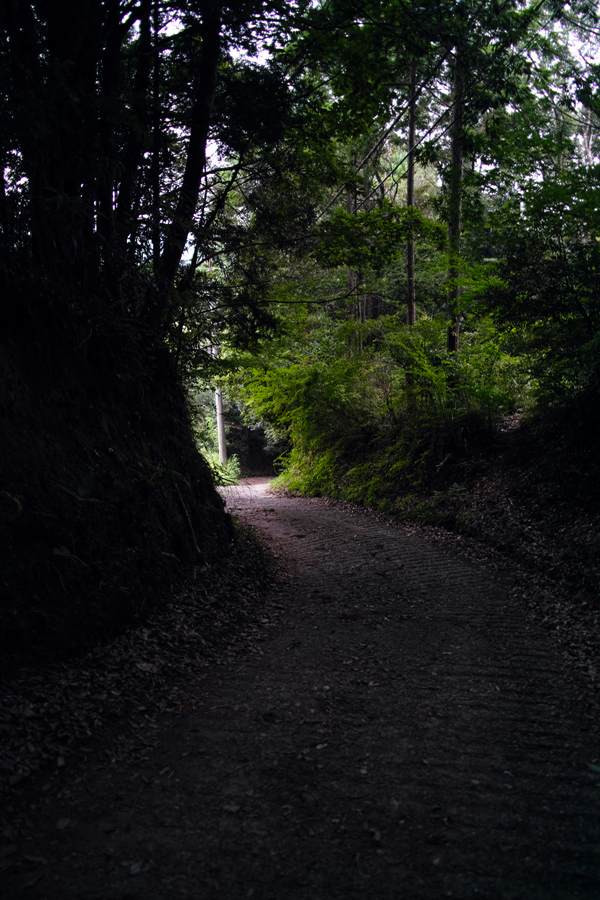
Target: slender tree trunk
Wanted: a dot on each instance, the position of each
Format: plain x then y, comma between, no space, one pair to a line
182,219
352,276
454,219
4,213
155,164
106,182
586,135
138,139
410,198
184,286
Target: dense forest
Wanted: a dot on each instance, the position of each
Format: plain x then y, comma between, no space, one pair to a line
374,226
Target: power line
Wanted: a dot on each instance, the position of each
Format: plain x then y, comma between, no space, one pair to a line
424,84
441,118
389,129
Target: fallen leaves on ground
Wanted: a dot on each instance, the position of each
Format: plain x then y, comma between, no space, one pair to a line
50,714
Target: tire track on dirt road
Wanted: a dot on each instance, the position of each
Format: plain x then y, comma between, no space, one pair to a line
402,732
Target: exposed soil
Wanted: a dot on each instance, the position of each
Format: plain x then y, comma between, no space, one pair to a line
401,727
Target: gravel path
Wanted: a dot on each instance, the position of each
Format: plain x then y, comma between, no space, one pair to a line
404,731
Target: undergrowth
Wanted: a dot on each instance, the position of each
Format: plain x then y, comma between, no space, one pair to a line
395,417
405,428
527,486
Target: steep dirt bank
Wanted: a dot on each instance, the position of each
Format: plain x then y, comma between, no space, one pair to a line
103,494
400,728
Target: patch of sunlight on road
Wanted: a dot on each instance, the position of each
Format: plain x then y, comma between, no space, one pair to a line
248,488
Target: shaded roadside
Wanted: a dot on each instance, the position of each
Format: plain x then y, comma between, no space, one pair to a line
400,728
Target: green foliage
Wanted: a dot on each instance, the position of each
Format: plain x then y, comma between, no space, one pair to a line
204,426
548,286
378,408
372,238
222,475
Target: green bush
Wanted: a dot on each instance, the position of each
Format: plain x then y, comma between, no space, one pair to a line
390,411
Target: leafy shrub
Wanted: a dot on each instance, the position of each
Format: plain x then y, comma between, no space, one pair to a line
389,411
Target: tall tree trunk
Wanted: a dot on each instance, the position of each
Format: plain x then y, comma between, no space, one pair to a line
111,63
454,217
138,138
587,135
410,197
182,220
352,275
5,225
156,123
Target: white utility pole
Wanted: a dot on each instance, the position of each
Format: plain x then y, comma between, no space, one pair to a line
220,427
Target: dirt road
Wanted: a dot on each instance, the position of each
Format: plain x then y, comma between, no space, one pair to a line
404,732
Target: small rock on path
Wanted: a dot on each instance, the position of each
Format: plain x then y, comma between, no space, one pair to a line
403,732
